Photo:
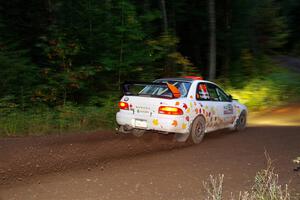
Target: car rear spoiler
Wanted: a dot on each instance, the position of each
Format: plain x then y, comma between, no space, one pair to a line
173,89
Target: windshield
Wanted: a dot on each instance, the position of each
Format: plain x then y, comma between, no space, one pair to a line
158,90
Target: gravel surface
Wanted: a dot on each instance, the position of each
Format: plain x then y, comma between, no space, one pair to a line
103,165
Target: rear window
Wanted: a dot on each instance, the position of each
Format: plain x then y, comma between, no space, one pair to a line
158,90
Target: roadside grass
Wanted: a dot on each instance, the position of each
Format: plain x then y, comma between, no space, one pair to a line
277,88
265,187
44,120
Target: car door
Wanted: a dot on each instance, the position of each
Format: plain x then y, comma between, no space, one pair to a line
211,106
228,113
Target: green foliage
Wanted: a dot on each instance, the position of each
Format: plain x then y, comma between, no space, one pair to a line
270,27
61,119
169,61
61,78
257,26
258,94
17,75
270,88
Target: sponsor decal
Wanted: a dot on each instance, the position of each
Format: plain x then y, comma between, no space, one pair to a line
185,106
228,109
175,123
142,109
155,122
187,118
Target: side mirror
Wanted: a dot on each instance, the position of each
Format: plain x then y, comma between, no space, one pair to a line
230,97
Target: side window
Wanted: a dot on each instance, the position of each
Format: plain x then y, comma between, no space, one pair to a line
222,95
206,92
212,92
201,92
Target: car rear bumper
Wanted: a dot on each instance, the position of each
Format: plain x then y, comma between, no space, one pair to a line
160,122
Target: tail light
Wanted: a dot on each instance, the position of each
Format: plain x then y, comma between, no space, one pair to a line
168,110
123,105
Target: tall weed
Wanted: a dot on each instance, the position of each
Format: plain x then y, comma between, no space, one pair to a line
265,187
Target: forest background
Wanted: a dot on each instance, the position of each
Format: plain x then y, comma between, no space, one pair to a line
62,61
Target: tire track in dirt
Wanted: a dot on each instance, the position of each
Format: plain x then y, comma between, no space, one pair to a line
30,156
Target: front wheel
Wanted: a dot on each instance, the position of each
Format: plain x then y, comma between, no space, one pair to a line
197,131
241,122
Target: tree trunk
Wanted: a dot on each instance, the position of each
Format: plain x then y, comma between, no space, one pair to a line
227,50
90,18
50,6
165,32
146,5
164,15
212,39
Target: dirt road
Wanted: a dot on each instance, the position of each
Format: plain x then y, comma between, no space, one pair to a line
103,165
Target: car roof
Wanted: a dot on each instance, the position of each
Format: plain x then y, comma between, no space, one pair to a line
189,80
183,79
176,79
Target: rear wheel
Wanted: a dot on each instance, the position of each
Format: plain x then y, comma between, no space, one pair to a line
137,132
241,122
197,131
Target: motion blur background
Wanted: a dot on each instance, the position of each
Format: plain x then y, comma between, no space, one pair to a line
62,61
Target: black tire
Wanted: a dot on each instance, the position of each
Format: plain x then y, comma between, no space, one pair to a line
137,132
197,131
241,122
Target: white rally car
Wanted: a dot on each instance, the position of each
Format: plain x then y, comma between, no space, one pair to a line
188,107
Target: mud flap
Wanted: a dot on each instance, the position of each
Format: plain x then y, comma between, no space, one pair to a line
123,129
179,137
